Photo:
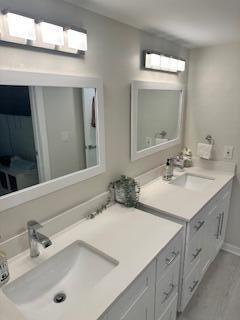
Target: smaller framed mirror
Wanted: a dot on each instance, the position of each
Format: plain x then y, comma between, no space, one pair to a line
156,117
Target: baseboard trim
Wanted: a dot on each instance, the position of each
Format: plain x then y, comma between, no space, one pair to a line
231,248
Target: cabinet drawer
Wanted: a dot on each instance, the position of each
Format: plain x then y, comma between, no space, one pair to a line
171,311
195,250
169,255
197,223
190,285
166,288
137,301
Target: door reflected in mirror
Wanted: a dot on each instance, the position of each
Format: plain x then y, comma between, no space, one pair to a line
158,117
46,133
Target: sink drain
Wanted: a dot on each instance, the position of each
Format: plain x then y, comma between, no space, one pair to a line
60,297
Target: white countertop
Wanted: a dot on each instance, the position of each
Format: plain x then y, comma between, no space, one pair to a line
179,202
132,237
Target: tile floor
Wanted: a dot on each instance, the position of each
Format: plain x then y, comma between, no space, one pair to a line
218,295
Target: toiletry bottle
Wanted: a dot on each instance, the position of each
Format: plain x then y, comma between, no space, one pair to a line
168,170
4,272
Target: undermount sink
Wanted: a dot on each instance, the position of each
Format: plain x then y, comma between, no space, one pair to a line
192,182
59,283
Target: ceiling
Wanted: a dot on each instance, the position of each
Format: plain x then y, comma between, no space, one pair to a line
193,23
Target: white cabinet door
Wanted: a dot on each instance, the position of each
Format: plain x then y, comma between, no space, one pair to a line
137,302
213,239
167,288
224,203
171,312
190,284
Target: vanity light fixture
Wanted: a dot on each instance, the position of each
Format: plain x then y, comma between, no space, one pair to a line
157,61
20,26
52,34
77,40
22,30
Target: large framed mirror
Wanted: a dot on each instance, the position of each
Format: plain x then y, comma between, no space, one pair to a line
51,133
156,117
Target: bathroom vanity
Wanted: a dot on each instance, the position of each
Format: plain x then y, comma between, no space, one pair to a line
124,264
199,199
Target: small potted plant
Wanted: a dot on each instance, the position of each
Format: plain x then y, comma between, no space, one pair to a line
126,191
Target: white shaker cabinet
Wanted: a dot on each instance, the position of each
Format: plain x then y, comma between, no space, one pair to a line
204,237
137,302
217,221
154,294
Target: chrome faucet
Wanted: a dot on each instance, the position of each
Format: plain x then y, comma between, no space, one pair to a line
35,237
179,162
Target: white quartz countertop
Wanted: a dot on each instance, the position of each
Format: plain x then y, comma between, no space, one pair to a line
179,202
130,236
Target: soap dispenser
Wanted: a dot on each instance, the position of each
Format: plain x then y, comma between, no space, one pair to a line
168,174
4,272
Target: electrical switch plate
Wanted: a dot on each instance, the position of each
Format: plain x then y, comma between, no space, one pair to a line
228,152
148,142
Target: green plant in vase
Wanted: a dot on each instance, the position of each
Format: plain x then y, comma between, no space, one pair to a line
126,191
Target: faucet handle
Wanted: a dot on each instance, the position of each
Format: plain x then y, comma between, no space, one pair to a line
33,225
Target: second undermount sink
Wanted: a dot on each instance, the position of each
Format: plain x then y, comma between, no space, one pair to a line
192,182
60,283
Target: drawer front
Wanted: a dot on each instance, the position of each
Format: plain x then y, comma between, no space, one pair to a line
195,250
137,301
169,255
190,285
171,311
197,223
166,288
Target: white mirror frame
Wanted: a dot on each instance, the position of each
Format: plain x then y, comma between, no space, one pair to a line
22,78
135,87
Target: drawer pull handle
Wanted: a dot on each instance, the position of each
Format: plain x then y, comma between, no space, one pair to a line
167,294
221,227
199,225
220,218
173,257
195,283
195,255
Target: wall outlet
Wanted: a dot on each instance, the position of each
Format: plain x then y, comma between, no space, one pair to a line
228,152
148,142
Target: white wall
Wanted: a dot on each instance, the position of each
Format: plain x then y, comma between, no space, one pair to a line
114,54
157,111
65,130
214,108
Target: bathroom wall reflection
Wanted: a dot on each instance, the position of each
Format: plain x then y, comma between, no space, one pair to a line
45,133
158,117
